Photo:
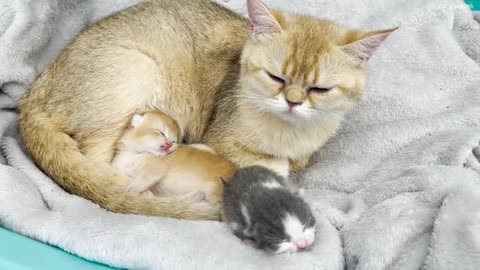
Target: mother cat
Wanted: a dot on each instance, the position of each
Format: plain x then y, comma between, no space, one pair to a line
270,91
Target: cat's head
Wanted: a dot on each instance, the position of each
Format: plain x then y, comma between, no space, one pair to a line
153,132
301,68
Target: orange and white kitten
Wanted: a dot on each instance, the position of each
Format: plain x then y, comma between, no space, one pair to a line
299,76
149,153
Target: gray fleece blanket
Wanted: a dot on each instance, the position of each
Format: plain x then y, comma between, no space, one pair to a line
397,188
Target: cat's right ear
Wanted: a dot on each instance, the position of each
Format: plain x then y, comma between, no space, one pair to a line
365,44
264,24
137,120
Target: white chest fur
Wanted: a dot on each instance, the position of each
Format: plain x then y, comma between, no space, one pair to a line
289,140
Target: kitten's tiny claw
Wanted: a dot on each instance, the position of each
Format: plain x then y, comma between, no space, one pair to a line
147,193
134,190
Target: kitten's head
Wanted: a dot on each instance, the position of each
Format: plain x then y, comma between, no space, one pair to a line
286,225
301,68
153,132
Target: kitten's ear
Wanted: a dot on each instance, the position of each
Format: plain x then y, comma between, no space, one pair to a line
264,24
364,45
137,120
224,183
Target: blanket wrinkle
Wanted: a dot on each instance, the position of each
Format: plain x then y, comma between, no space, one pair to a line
397,188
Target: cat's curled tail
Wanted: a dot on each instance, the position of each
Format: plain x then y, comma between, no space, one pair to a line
57,154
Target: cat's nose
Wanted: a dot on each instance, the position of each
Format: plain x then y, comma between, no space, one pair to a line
294,96
293,104
301,244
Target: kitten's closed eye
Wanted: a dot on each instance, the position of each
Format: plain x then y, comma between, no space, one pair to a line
160,132
310,223
277,79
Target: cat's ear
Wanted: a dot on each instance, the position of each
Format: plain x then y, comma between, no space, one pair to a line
364,45
264,24
137,120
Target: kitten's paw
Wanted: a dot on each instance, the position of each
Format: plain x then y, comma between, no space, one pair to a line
203,147
197,196
137,190
298,165
147,193
132,190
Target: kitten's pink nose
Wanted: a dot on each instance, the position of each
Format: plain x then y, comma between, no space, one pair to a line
301,244
167,145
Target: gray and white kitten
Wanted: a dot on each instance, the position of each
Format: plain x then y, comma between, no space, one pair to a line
260,207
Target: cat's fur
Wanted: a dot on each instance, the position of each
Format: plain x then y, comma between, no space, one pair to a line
263,121
183,57
176,170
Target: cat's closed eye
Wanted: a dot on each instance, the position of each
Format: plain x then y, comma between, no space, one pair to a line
277,79
319,90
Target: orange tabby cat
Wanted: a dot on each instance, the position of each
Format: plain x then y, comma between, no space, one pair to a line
269,90
299,76
149,153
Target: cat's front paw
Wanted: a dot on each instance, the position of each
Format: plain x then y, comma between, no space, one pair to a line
198,196
278,165
298,165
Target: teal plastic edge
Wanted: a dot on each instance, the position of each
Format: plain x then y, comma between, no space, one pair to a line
474,4
21,253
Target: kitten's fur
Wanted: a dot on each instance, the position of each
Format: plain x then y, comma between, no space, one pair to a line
181,170
259,205
182,57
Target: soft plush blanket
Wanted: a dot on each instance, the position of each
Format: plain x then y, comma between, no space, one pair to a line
397,188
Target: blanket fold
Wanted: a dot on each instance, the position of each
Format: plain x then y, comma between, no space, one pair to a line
397,188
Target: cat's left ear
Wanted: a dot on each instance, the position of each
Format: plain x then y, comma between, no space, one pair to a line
264,24
365,44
